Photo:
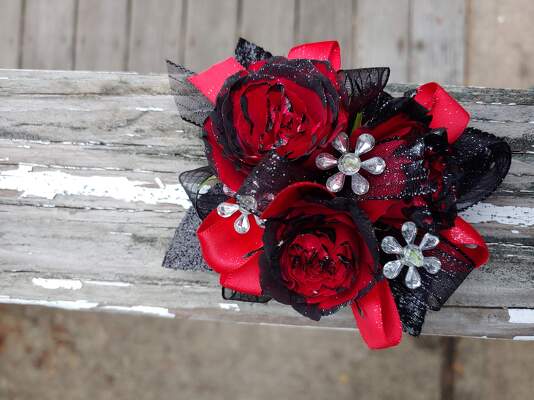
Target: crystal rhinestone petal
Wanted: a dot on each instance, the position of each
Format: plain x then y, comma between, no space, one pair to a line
259,221
432,265
390,245
227,191
412,256
242,224
409,230
359,184
335,182
341,143
392,269
374,165
349,164
412,279
364,143
429,242
226,210
325,161
247,203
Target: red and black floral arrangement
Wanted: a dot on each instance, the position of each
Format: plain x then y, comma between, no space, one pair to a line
324,191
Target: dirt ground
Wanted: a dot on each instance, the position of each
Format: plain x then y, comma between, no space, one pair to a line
55,354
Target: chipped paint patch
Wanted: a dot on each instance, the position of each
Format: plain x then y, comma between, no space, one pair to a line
506,215
229,306
525,338
521,316
63,304
157,311
69,284
48,184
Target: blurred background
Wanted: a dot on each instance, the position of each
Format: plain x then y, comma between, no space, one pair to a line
53,354
474,42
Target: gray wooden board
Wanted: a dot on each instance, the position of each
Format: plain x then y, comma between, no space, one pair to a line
102,35
10,29
43,44
89,200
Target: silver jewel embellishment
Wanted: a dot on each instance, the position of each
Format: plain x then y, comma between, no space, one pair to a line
350,164
247,206
410,255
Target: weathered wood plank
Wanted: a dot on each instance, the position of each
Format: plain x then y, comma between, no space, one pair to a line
499,52
102,35
319,20
156,35
211,32
10,30
258,18
89,161
382,36
438,41
49,30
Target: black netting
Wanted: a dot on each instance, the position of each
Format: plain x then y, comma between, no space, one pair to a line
192,105
247,53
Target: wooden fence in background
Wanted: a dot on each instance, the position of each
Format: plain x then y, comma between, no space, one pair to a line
480,42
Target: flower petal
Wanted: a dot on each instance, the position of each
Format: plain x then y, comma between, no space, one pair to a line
429,242
390,245
409,230
392,269
364,143
432,265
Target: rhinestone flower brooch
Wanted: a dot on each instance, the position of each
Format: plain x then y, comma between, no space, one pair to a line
246,205
350,164
410,255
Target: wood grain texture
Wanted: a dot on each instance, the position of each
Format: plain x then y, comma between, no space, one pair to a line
382,36
10,29
438,41
500,43
211,33
319,20
102,35
269,24
67,139
49,30
156,35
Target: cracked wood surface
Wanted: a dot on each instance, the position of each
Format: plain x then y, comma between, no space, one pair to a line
89,202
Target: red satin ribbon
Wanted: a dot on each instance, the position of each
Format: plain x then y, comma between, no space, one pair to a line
465,237
324,51
446,112
377,317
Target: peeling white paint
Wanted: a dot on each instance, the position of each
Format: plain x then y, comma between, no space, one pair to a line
48,184
526,338
149,109
158,311
229,306
521,316
506,215
63,304
108,283
69,284
4,78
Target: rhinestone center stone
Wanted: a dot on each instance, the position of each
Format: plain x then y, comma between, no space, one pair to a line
349,164
247,203
413,256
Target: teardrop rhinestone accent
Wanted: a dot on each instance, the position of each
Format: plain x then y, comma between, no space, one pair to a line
325,161
392,269
391,246
242,224
227,191
359,184
374,165
432,265
364,144
409,230
335,182
247,203
349,164
412,279
226,210
341,143
260,222
429,242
